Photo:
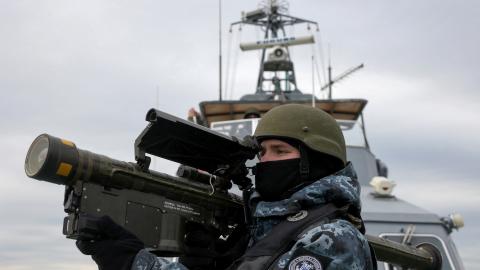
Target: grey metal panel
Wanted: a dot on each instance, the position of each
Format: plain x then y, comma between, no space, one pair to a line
402,217
392,209
364,163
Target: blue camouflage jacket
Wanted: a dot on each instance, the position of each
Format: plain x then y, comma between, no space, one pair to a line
329,244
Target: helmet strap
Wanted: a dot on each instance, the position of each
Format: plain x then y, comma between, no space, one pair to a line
304,164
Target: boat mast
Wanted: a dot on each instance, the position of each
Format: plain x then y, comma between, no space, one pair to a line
220,50
272,18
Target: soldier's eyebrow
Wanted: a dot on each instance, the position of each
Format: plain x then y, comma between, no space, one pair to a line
276,145
281,146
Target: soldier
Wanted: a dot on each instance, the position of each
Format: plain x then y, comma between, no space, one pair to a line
251,113
305,210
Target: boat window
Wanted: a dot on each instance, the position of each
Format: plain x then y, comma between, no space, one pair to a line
352,131
417,239
236,128
243,127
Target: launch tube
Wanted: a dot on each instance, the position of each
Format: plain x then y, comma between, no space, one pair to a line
59,161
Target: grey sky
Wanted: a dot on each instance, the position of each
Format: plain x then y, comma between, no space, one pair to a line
88,71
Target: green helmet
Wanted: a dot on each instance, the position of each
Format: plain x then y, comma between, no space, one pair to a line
313,127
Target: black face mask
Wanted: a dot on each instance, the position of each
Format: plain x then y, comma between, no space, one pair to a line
276,180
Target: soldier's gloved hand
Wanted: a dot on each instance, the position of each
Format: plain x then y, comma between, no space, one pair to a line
116,248
207,252
200,248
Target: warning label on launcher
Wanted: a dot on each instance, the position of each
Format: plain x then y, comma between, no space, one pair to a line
179,207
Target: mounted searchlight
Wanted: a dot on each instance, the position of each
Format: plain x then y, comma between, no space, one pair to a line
269,43
382,186
453,221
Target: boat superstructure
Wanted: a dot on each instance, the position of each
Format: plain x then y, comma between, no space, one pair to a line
385,215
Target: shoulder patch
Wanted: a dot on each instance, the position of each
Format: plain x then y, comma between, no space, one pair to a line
298,216
305,263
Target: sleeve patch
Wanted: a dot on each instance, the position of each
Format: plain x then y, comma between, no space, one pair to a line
305,260
305,263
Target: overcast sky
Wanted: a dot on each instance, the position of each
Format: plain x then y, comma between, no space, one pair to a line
89,70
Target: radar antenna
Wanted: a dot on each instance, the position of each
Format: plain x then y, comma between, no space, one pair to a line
338,78
267,5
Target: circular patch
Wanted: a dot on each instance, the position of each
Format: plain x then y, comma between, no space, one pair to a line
298,216
305,263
